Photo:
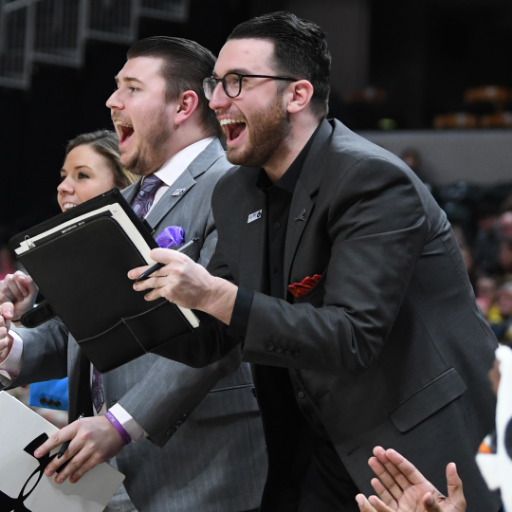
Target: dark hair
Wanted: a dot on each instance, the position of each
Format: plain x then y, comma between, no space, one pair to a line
106,144
185,65
300,50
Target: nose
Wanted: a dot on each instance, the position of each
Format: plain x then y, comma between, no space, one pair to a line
114,102
219,98
65,187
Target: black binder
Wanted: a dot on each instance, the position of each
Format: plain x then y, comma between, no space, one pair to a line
80,260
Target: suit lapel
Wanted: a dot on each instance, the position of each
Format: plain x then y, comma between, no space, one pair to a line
179,189
253,246
303,201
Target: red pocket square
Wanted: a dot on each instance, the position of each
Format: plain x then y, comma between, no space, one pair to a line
306,285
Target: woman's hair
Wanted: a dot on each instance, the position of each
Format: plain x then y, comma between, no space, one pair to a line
106,144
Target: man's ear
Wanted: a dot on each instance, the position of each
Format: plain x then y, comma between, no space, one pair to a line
186,106
299,96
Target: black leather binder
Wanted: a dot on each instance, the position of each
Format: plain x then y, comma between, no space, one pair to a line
80,260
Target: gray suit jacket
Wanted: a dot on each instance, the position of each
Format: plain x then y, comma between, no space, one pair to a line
390,346
207,452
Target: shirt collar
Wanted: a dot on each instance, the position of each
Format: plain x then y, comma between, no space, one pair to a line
289,179
174,167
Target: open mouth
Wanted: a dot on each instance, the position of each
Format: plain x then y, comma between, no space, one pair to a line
125,131
68,206
233,129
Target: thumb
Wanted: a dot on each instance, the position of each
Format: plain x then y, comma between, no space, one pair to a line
455,488
7,310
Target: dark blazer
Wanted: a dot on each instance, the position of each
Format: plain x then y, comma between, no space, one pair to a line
390,345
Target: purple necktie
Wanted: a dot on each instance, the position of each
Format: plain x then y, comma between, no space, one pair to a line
98,399
146,195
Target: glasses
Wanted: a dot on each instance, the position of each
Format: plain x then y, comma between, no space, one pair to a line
232,83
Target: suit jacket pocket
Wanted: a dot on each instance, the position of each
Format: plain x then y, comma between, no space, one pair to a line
316,295
227,402
428,400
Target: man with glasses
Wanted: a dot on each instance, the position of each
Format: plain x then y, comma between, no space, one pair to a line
340,277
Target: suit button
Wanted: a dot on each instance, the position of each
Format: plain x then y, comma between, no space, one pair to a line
287,351
301,394
50,402
277,225
42,401
295,352
169,432
58,403
279,349
270,347
184,416
179,423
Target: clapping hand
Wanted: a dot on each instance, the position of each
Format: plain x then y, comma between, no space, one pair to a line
6,312
19,289
402,488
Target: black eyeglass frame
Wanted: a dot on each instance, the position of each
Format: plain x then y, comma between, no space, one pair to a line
211,79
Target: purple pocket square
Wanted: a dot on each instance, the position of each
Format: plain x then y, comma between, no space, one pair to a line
171,236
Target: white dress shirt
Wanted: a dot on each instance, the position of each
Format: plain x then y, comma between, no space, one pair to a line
168,173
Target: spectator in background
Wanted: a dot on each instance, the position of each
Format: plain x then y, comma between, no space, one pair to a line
487,239
412,158
505,256
486,291
500,324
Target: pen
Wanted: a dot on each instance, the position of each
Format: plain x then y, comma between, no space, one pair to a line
65,445
158,266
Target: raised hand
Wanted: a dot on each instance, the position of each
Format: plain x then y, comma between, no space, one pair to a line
19,289
402,488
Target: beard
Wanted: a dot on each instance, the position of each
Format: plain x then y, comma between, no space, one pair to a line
149,155
268,129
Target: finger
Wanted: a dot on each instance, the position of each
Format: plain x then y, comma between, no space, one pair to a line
166,256
25,283
57,439
363,504
404,472
7,310
136,272
75,464
13,287
385,478
90,463
455,487
379,506
389,499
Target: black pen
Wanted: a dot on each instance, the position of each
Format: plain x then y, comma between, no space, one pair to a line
65,445
158,266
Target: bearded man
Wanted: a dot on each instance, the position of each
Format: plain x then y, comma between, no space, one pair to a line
204,449
340,277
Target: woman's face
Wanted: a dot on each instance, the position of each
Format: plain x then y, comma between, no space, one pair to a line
85,174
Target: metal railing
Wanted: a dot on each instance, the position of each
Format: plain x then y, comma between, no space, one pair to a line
56,31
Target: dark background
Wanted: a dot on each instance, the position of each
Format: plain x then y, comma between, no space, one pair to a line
425,53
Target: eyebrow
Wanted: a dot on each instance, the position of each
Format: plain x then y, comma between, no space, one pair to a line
128,79
240,71
76,168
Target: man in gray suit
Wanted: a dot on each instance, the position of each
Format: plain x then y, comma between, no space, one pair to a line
206,451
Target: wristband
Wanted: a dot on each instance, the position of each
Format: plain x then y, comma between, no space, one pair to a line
120,429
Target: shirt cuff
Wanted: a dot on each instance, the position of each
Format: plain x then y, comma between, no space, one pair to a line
11,366
241,311
136,432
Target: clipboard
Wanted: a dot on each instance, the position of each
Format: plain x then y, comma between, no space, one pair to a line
80,260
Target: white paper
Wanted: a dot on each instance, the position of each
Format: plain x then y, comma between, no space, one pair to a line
19,425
